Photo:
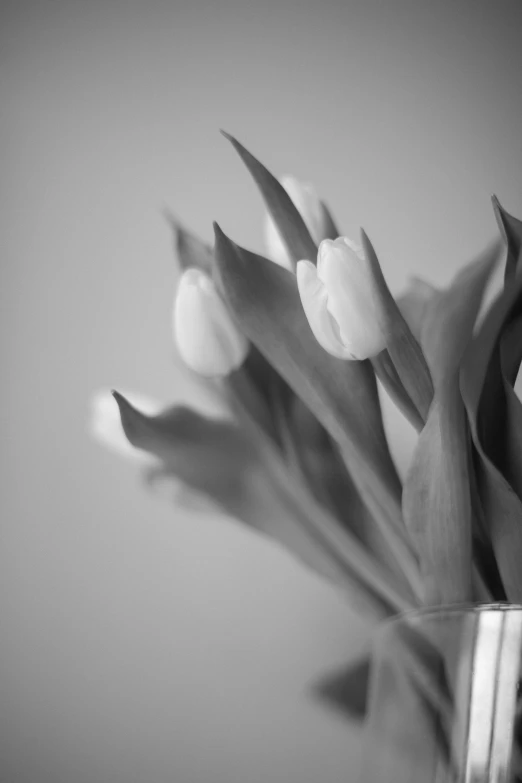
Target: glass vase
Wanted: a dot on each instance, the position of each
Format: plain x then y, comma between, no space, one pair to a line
445,698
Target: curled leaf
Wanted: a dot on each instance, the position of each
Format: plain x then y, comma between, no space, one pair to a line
511,230
253,485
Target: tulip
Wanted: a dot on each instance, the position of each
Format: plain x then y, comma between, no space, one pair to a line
308,204
105,422
207,338
340,300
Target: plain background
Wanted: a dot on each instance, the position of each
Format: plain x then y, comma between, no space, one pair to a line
141,643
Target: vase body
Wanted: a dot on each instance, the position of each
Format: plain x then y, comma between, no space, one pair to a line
445,698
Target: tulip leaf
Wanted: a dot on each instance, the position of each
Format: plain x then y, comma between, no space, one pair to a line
511,231
190,251
451,315
436,498
412,304
347,690
330,229
285,215
389,377
325,473
512,457
407,732
499,409
482,390
511,350
510,355
404,350
437,504
250,482
343,395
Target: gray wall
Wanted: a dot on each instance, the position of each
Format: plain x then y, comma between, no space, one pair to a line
141,643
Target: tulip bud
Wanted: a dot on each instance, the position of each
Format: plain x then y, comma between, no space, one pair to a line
308,204
340,302
105,422
207,338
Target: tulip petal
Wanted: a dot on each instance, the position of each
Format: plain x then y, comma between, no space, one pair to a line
315,304
207,339
351,300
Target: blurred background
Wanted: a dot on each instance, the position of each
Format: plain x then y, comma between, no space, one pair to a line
141,642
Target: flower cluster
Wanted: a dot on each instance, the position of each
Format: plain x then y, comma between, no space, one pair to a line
295,343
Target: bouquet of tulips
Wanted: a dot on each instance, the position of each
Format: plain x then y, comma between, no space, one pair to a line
295,345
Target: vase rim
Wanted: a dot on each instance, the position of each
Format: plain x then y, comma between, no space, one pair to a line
462,608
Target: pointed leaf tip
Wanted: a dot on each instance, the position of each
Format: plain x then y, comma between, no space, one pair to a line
227,135
123,404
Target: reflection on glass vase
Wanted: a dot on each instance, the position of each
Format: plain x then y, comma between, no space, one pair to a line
445,701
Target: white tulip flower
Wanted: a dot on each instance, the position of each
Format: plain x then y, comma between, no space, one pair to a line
308,204
340,300
207,338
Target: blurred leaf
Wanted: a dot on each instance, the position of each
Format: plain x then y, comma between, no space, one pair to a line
220,460
347,690
190,251
343,395
511,230
288,220
483,393
404,350
412,304
406,734
436,498
450,317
